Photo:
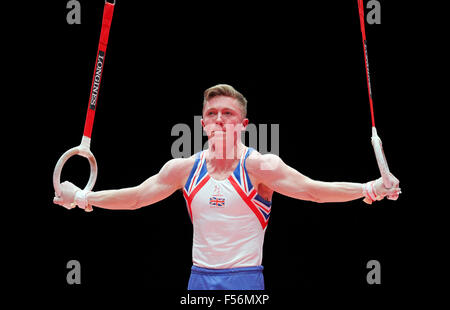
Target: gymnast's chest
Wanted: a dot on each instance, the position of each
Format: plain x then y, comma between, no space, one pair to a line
218,197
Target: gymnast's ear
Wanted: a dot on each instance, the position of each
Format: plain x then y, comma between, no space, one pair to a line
243,125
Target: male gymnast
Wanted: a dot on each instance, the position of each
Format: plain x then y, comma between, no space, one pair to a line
228,191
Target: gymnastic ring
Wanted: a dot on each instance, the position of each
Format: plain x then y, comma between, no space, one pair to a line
84,152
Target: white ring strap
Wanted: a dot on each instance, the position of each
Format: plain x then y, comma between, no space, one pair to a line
82,150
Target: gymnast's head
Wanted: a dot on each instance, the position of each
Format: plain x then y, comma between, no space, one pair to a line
224,109
225,90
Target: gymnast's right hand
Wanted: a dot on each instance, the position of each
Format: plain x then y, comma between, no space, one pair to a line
67,198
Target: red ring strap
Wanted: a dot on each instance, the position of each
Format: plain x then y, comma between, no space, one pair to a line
99,64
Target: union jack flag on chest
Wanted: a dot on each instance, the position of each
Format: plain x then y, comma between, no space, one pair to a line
216,202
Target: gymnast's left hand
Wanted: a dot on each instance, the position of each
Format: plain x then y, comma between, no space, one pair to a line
393,192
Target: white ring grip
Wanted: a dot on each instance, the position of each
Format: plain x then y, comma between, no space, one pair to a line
82,151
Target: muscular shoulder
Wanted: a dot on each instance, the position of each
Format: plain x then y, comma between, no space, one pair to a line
176,171
262,166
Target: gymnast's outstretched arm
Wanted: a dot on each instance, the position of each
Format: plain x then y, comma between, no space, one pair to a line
155,188
270,170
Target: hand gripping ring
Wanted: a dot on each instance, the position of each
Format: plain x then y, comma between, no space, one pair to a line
82,150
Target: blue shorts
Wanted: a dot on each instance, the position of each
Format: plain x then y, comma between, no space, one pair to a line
244,278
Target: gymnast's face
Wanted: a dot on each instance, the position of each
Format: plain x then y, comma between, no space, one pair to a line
222,115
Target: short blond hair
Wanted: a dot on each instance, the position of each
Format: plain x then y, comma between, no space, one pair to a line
228,91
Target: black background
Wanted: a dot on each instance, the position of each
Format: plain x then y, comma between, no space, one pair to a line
299,65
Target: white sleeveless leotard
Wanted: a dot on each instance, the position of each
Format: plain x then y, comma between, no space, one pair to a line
229,217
